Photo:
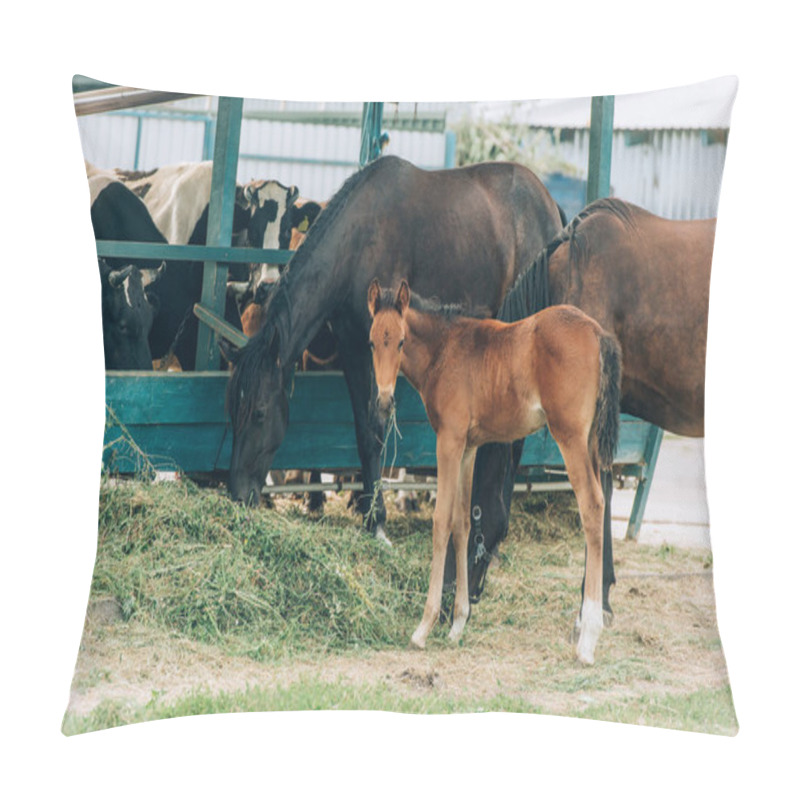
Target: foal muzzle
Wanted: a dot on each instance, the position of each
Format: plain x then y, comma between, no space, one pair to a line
385,402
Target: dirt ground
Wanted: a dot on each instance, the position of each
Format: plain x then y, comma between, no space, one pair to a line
664,640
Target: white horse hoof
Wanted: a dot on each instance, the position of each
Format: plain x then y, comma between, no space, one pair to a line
591,625
585,655
380,535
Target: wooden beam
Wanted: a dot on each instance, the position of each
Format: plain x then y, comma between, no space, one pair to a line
116,98
220,326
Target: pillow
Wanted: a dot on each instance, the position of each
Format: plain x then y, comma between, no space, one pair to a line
236,365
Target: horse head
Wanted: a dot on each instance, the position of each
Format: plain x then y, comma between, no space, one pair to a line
386,338
258,404
492,487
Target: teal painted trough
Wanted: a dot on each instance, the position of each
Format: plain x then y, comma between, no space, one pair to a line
178,421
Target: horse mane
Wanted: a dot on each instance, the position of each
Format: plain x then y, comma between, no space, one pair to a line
252,360
531,291
326,218
256,356
434,306
611,206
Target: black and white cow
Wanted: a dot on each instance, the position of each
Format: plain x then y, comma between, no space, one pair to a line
128,315
271,204
119,215
177,197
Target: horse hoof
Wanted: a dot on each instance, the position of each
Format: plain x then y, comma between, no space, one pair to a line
608,618
416,643
454,637
381,536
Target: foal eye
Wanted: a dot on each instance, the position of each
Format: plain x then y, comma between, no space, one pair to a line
400,346
372,346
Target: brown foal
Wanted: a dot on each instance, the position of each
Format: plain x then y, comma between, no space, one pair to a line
482,381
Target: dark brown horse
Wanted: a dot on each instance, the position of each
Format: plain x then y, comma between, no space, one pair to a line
462,235
487,381
644,278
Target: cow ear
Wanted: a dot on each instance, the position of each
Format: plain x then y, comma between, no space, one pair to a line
152,276
403,297
374,297
230,352
294,193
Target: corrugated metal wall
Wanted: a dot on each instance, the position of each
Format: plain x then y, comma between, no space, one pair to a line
674,173
316,158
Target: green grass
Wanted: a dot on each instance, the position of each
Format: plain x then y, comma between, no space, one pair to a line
304,695
705,711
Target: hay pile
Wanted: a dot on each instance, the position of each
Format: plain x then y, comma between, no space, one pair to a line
258,582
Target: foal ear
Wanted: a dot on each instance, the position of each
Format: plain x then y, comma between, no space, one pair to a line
403,297
374,297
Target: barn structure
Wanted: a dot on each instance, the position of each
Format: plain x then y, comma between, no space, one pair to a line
178,419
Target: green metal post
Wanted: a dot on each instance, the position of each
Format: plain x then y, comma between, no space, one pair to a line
598,184
371,123
601,131
649,457
220,222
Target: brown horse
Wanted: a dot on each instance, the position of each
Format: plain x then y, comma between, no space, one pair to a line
459,234
482,381
646,279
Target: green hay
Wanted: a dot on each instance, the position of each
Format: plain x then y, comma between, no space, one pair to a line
259,582
271,583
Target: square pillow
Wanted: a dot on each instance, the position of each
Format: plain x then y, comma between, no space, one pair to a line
265,538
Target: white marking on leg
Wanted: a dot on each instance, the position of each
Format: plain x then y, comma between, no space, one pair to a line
459,621
380,535
591,624
419,636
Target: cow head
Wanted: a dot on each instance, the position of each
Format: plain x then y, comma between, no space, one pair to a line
128,315
270,223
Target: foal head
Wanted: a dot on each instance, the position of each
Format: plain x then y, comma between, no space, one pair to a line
386,337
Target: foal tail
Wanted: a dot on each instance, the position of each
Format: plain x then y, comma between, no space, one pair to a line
606,415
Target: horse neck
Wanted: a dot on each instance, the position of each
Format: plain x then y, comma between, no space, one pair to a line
313,293
425,336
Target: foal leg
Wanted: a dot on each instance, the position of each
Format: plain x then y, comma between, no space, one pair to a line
589,493
448,461
609,578
461,526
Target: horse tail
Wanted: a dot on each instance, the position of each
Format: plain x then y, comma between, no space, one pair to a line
606,417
